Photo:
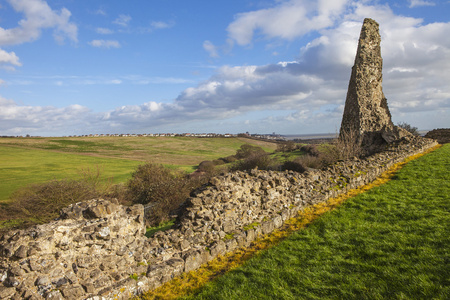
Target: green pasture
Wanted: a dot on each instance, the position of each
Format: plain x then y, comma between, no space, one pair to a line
184,152
24,161
20,167
391,242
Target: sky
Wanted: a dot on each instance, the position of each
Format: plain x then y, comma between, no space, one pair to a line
74,67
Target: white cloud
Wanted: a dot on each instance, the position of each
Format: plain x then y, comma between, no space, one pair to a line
105,44
122,20
418,3
101,30
161,25
100,12
210,48
289,20
8,60
23,119
306,95
38,16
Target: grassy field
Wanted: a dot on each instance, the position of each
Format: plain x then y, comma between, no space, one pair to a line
179,151
21,167
391,242
32,160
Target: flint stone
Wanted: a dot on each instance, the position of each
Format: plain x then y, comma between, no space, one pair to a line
73,292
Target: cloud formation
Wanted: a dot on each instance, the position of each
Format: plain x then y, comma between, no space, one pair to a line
102,30
210,48
303,95
37,16
105,44
8,60
289,20
122,20
312,89
19,119
418,3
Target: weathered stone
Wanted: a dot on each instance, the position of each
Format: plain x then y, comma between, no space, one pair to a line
6,292
21,252
193,259
73,292
43,280
88,287
218,248
367,118
54,295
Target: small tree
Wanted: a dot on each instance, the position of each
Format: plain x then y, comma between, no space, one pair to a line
409,128
288,146
248,150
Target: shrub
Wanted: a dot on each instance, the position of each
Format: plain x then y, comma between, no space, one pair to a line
409,128
151,183
248,150
42,202
294,165
309,161
206,166
229,159
329,154
262,161
311,150
166,189
288,146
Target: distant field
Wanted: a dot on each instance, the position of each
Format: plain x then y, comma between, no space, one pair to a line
30,160
21,167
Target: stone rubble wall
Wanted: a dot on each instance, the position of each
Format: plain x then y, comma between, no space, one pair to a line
97,249
441,135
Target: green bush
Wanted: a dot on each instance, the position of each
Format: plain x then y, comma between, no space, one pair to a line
288,146
206,166
311,150
262,161
248,150
293,165
229,159
39,203
165,188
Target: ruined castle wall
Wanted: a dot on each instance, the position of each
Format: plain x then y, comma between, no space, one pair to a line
98,248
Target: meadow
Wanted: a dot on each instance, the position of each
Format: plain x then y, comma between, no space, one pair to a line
390,242
34,160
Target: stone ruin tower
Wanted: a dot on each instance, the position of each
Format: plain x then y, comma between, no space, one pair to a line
366,118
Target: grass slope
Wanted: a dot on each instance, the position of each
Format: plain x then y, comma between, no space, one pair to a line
33,160
391,242
182,152
21,167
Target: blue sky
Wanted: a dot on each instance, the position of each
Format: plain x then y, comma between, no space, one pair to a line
78,67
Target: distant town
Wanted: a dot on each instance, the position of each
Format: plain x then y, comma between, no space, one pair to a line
272,136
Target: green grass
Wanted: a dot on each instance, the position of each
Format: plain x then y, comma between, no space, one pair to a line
391,242
183,153
161,227
24,161
21,167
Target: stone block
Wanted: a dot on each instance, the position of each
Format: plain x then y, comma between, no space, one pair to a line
73,292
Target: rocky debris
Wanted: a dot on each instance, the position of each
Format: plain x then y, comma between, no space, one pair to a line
367,118
442,135
97,248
